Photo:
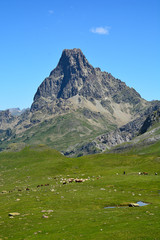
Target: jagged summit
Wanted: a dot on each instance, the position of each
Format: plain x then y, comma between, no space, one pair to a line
74,75
73,58
75,84
68,77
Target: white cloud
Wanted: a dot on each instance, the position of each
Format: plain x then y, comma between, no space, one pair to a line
51,11
100,30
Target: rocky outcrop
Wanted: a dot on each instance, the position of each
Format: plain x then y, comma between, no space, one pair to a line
6,118
150,121
123,134
131,129
67,78
75,76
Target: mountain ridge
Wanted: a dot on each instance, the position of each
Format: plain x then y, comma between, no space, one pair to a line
130,135
75,83
96,100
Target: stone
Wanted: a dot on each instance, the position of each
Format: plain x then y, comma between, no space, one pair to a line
13,214
133,205
49,211
4,191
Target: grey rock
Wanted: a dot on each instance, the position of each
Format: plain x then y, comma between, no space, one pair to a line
74,75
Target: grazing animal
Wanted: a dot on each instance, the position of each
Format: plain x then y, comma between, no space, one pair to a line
156,173
70,180
41,185
27,189
143,173
78,180
38,186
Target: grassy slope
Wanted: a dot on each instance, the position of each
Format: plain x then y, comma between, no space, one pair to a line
63,131
78,208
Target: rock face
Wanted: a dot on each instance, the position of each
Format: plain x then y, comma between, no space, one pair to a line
76,83
124,134
74,75
130,130
68,78
153,118
5,117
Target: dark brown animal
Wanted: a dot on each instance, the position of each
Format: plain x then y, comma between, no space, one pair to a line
78,180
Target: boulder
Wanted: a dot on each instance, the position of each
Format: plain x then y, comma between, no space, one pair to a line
133,205
13,214
4,191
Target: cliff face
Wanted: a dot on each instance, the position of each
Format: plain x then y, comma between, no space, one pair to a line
152,119
137,133
76,80
67,78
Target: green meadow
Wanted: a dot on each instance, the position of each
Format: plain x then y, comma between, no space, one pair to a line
76,210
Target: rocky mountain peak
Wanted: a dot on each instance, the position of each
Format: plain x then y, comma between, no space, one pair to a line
75,76
71,62
68,77
73,57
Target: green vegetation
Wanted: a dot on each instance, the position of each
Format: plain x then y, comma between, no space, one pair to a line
63,131
151,149
76,210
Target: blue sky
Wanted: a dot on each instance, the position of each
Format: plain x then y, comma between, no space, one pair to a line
119,36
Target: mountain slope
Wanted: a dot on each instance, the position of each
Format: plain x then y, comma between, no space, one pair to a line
86,101
63,131
141,132
75,84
